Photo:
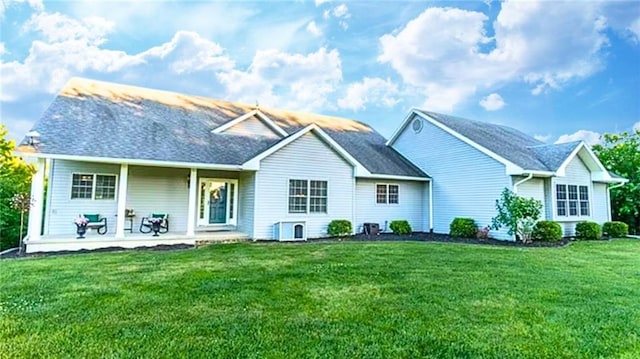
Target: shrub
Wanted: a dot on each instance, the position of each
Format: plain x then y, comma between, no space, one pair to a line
549,231
588,230
400,227
517,213
615,229
339,227
463,228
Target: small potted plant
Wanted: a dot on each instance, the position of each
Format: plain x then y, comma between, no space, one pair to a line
155,225
129,212
81,226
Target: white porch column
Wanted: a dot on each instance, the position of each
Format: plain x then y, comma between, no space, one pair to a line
122,199
37,200
193,195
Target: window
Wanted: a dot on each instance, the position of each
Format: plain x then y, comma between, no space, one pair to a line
584,200
307,196
387,193
93,186
572,200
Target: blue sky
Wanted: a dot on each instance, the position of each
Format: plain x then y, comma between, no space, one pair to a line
555,70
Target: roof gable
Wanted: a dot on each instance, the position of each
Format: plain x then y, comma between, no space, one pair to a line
254,123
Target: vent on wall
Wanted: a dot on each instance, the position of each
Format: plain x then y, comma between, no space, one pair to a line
416,125
290,231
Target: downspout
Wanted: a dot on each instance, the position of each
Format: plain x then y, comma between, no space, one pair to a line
354,188
609,188
431,205
515,185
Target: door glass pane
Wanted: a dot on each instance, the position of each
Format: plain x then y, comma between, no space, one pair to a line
232,193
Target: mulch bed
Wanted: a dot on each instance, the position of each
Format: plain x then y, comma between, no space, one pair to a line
444,238
383,237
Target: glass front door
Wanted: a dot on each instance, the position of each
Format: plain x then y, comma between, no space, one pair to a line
217,202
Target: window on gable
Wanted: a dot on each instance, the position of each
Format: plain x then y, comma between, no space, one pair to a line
307,196
93,186
572,200
387,193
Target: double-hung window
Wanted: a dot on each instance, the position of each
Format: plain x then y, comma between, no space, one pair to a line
572,200
307,196
93,186
387,193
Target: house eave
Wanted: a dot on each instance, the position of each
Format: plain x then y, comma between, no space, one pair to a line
133,161
394,177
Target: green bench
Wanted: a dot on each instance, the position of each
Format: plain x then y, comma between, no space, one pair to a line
96,222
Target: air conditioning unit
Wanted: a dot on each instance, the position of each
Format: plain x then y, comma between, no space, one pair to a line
371,229
290,231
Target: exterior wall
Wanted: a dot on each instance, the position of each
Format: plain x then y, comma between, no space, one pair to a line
246,202
252,127
413,204
158,190
61,210
600,203
306,158
576,173
466,182
533,188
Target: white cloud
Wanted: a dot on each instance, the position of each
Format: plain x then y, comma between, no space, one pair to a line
320,2
3,49
448,48
636,126
35,5
492,102
590,137
542,138
374,91
313,28
341,11
286,80
634,29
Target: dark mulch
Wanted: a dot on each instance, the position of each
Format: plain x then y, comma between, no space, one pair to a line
416,237
444,238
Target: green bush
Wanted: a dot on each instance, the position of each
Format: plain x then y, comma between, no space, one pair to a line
548,231
588,230
339,227
615,229
463,228
400,227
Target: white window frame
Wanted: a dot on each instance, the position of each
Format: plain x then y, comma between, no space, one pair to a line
93,186
567,200
307,196
387,193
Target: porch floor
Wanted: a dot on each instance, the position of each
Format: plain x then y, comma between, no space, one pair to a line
130,240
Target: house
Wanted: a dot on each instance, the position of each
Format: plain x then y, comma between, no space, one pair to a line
213,166
471,162
227,170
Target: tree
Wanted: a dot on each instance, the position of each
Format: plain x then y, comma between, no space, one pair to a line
15,178
620,154
517,213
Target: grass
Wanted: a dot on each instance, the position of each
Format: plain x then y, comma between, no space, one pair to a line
374,299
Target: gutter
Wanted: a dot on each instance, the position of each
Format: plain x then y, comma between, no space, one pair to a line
515,185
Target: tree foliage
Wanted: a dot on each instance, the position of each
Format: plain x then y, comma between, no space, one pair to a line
517,213
620,153
15,179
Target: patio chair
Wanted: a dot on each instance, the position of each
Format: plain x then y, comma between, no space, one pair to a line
145,224
96,222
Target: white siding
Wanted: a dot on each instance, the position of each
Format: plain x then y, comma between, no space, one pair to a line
576,173
61,210
466,182
246,202
306,158
600,203
159,190
413,204
252,127
533,188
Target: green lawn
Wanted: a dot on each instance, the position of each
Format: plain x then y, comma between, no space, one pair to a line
350,300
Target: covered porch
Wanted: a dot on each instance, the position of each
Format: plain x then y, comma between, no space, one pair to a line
201,203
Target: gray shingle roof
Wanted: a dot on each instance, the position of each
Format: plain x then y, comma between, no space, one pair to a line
509,143
99,119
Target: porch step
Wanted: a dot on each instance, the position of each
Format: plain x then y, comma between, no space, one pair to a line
205,238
